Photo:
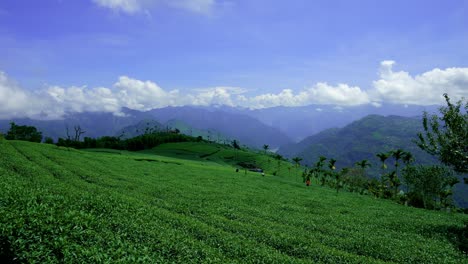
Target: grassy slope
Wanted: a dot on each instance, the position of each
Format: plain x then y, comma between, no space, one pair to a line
77,206
225,155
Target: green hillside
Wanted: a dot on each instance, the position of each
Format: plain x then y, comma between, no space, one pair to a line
226,155
183,203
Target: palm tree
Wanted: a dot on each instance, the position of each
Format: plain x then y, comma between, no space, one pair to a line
297,161
278,157
265,147
363,164
394,182
398,154
319,170
383,157
407,158
331,164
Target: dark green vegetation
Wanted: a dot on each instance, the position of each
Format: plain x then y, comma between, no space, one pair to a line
446,136
145,141
364,140
172,204
26,133
428,185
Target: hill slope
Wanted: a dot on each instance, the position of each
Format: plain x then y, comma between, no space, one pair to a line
64,205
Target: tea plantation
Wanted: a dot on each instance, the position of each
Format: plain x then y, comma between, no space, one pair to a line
184,203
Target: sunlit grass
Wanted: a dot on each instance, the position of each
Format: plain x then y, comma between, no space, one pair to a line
182,205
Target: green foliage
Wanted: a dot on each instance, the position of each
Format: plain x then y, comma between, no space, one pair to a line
72,206
48,140
447,136
235,144
429,186
25,133
145,141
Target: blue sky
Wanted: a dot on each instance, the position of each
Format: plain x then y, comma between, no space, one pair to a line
245,53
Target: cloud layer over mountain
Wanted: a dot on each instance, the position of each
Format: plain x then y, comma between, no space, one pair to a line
392,87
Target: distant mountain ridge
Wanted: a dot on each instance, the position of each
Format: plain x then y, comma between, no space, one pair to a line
362,139
247,130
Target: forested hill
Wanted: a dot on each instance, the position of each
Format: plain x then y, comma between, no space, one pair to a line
362,139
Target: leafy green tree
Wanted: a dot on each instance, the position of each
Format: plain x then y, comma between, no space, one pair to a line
446,136
429,185
26,133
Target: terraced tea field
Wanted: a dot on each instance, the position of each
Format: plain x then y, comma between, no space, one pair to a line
174,204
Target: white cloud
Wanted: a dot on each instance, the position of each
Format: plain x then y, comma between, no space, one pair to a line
198,6
55,101
321,93
143,6
14,101
126,6
396,87
424,89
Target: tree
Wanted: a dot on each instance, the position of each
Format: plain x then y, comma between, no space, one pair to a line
49,140
265,147
446,136
407,158
278,157
398,155
331,164
297,161
383,157
318,170
235,144
429,185
78,133
363,164
26,133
